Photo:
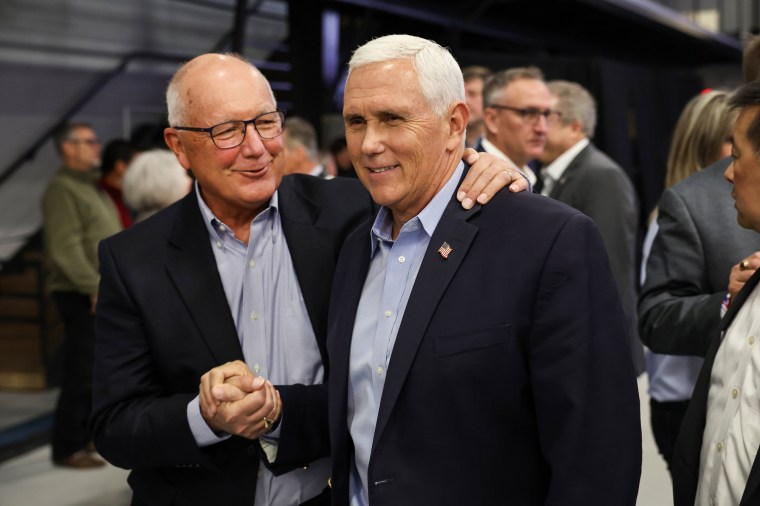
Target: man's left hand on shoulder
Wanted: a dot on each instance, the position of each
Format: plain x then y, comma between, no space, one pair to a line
487,175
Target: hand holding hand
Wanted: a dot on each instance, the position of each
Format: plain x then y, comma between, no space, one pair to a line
217,377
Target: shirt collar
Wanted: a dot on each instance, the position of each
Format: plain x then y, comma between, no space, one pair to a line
217,228
490,148
558,167
428,218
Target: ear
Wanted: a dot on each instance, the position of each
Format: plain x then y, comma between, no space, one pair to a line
490,121
457,122
172,139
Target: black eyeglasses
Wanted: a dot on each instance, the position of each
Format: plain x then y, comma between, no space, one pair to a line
530,114
89,142
231,134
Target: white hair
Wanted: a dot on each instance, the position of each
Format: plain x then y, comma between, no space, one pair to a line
154,180
438,73
175,104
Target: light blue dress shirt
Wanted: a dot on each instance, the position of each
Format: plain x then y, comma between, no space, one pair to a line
275,333
671,377
392,272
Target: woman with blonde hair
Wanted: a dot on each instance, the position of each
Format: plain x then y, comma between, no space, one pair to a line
701,137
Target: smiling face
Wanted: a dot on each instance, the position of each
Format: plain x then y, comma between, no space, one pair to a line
402,151
521,140
235,183
744,171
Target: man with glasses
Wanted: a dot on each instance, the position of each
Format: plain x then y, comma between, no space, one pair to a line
76,216
238,273
575,172
517,106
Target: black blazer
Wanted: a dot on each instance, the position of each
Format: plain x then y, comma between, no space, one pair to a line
163,321
510,381
686,454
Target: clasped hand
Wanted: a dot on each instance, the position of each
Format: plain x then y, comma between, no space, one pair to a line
236,401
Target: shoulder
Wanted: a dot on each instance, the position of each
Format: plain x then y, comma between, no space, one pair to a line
527,213
142,237
598,165
703,181
334,199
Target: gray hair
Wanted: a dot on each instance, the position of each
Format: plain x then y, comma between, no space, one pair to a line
438,73
498,81
154,180
299,132
574,102
175,103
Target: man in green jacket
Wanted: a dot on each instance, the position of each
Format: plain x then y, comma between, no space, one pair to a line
77,215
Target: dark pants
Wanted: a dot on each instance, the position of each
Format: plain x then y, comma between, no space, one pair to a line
666,420
75,401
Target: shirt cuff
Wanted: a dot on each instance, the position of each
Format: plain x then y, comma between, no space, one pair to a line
202,433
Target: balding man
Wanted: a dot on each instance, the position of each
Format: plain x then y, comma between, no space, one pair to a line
237,272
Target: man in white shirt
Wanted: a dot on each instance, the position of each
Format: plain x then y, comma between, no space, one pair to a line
714,459
580,175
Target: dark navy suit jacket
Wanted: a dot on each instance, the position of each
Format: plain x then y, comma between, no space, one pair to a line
510,381
163,321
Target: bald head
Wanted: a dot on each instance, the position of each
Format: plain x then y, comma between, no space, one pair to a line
189,85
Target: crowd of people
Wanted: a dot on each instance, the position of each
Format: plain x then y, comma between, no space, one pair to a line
268,333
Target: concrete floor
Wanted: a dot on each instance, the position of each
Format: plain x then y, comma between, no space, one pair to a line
31,479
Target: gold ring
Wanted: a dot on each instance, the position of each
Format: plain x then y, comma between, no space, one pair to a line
268,422
744,265
511,176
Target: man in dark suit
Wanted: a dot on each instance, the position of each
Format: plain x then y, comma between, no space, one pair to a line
577,173
524,393
516,109
239,271
714,460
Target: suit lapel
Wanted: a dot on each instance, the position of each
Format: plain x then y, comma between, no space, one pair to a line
312,254
349,280
192,268
574,166
434,276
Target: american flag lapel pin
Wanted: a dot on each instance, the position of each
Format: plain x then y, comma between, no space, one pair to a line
444,250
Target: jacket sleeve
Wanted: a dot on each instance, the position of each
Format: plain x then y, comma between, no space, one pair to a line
678,311
582,376
134,423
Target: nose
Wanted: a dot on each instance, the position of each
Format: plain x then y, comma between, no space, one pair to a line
542,124
729,173
372,143
252,144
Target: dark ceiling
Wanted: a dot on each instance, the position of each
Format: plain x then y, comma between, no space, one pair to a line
635,32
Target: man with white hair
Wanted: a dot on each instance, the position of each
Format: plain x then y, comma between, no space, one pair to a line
524,394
